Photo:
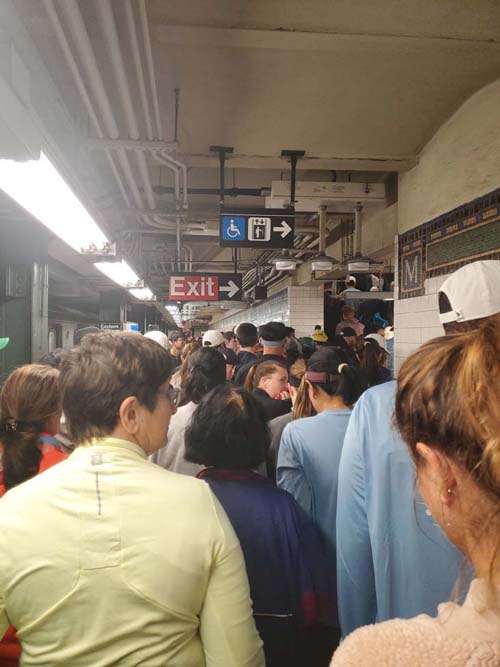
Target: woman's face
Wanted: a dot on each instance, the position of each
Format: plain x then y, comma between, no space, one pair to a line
275,383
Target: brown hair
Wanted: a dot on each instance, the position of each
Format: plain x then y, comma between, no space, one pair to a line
302,406
29,397
183,371
259,371
102,372
449,398
348,310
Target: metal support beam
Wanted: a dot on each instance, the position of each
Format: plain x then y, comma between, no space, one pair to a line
39,311
294,156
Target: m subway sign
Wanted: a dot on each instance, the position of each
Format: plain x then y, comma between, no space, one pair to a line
205,287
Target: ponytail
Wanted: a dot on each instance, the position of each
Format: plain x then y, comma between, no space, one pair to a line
329,371
29,397
372,361
21,454
249,380
206,370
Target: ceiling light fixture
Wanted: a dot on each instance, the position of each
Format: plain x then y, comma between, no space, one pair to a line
286,263
142,293
120,273
322,262
39,188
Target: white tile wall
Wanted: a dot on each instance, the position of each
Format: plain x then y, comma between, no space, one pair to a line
306,308
275,308
299,307
416,321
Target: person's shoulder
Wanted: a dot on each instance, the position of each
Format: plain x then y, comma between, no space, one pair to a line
382,395
418,642
300,427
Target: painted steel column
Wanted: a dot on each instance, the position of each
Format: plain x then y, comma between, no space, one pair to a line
39,310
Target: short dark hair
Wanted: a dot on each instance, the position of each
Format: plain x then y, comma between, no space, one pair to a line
206,368
229,335
273,331
175,336
102,372
247,335
343,379
228,430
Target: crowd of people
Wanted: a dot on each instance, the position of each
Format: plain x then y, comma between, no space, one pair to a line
249,497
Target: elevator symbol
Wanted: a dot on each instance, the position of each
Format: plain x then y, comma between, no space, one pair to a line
259,229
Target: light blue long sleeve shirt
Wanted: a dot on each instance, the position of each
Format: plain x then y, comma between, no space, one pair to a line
393,561
308,463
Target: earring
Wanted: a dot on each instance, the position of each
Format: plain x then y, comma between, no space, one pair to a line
450,492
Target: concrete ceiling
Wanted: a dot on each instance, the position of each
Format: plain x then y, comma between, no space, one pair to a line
360,86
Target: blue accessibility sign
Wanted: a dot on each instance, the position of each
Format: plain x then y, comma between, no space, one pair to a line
234,228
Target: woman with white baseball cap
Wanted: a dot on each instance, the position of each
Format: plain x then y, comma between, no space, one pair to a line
374,359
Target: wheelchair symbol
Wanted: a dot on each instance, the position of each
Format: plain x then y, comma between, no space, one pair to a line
233,228
232,231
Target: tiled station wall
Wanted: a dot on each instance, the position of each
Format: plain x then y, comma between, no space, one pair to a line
299,307
416,321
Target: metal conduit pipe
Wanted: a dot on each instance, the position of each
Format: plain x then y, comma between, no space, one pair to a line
83,46
77,77
176,169
112,42
139,72
150,66
183,168
358,225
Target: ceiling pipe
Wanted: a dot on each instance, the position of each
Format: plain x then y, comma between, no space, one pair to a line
83,46
113,47
150,67
77,78
162,159
139,72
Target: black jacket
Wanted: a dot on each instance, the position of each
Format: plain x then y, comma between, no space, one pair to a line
272,407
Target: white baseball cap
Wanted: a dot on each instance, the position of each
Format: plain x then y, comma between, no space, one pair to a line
471,293
158,337
212,338
380,340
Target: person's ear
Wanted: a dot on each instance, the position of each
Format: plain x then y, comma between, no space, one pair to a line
439,471
130,417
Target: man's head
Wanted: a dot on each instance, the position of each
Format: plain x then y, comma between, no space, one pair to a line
116,384
177,342
230,340
469,296
158,337
348,312
273,336
213,338
247,335
349,336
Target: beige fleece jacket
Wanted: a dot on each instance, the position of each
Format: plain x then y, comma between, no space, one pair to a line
460,636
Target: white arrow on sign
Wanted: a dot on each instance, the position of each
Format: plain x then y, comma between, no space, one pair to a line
284,228
231,288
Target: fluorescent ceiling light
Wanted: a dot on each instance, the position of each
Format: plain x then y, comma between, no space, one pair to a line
120,273
40,189
142,293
